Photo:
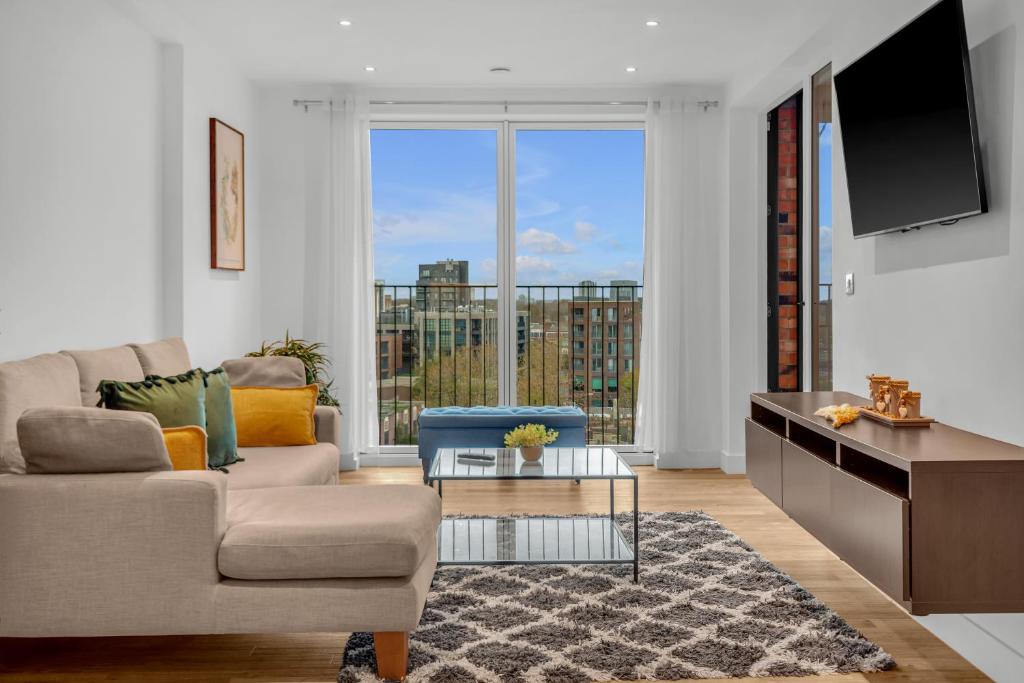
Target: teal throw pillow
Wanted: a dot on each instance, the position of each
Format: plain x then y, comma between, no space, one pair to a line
177,401
221,438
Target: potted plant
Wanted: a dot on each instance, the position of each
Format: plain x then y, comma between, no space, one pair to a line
313,359
530,439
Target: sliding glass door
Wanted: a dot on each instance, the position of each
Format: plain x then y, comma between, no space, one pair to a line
508,266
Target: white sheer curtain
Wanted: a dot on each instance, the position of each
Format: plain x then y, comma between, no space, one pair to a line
679,400
338,293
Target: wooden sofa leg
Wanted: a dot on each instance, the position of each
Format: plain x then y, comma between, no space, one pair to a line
392,649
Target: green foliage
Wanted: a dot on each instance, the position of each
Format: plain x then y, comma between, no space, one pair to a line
529,435
313,359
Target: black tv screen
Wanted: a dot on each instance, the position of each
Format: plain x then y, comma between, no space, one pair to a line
908,126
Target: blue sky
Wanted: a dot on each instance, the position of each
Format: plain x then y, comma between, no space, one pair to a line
579,203
825,202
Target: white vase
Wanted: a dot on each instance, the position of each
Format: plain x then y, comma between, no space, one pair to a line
531,453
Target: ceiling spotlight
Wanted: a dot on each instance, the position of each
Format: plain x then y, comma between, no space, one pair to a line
344,22
369,68
630,69
651,23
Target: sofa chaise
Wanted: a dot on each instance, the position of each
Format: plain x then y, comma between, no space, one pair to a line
271,546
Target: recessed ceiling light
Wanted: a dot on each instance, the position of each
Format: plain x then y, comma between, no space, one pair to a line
344,22
615,103
499,69
630,69
651,23
369,68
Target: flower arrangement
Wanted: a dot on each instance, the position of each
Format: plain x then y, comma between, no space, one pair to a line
530,440
530,436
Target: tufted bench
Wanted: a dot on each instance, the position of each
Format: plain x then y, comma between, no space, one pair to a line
486,426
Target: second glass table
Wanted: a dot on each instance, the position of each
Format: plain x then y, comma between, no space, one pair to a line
536,540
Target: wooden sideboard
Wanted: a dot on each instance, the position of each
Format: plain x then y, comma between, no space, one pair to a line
934,517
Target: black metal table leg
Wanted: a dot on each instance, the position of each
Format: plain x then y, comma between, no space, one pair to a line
636,530
611,500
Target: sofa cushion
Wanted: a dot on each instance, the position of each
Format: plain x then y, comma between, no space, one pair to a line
324,532
177,401
81,440
284,466
275,416
186,447
116,363
222,446
47,380
165,357
265,371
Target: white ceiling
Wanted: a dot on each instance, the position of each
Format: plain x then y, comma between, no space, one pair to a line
544,42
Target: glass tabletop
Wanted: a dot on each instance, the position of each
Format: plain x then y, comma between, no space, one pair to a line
556,463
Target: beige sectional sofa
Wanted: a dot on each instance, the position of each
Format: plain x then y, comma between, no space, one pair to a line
271,546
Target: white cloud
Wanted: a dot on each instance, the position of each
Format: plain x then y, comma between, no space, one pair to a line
542,242
533,264
440,217
530,206
585,232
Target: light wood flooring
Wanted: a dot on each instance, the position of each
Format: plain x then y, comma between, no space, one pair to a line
302,657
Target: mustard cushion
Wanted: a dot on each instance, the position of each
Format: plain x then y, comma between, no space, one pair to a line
186,446
274,416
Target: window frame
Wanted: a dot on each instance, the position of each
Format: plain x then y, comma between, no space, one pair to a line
505,128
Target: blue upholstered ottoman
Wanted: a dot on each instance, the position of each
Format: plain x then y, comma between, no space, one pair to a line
486,426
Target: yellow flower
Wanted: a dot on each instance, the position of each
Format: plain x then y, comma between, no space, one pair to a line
530,435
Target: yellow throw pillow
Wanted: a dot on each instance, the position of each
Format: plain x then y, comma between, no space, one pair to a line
274,416
186,446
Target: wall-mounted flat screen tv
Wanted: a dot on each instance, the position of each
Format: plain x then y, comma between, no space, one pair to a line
909,130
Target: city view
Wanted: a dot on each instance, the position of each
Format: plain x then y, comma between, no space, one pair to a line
578,274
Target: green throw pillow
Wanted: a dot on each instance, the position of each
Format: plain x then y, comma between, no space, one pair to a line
177,401
221,439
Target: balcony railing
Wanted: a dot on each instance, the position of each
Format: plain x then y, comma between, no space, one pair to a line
823,335
437,345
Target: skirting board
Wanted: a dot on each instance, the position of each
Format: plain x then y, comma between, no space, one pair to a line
680,460
733,463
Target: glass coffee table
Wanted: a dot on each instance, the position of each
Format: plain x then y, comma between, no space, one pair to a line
536,540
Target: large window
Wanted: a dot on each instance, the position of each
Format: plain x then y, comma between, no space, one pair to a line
505,256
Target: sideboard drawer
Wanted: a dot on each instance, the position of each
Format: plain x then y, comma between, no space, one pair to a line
764,460
805,490
871,533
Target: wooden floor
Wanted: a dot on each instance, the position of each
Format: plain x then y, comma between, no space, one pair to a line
290,657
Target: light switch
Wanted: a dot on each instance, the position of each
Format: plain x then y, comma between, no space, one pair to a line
849,284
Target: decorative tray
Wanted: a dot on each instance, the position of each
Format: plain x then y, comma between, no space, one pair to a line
873,414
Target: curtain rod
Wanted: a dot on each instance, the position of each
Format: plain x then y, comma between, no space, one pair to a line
706,104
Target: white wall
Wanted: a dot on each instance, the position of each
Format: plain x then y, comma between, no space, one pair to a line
221,307
940,306
79,178
104,183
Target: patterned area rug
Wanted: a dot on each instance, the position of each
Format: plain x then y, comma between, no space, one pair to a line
707,606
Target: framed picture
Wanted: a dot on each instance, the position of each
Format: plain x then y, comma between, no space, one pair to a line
227,197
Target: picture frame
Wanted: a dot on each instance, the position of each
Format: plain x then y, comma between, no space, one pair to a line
227,196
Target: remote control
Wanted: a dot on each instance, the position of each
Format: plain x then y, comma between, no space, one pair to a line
476,456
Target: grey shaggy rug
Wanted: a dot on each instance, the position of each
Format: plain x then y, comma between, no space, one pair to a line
707,606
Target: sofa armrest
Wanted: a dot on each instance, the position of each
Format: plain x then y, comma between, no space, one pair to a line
110,554
328,425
